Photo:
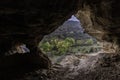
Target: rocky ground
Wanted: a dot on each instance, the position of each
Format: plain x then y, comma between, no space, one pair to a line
81,67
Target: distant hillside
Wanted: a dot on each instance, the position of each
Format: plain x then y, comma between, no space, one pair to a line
69,29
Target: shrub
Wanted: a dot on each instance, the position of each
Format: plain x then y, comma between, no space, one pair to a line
57,46
46,47
89,41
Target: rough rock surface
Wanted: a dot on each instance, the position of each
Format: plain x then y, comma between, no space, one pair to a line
100,18
100,66
26,22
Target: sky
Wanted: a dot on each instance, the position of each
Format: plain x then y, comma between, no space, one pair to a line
73,18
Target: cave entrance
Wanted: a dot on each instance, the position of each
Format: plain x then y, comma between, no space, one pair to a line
69,39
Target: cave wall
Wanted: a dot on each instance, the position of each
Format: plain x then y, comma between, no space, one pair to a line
100,18
29,19
26,22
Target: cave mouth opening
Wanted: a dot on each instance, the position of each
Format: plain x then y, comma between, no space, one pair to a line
67,40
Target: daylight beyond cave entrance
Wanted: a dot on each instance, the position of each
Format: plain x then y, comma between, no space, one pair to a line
69,39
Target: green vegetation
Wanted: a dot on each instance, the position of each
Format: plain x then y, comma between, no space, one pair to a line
89,41
59,47
46,47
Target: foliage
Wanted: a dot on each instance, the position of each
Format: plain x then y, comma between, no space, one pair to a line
70,40
58,45
85,49
89,41
79,42
46,47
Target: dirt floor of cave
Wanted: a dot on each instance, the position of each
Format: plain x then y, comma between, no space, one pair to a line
100,66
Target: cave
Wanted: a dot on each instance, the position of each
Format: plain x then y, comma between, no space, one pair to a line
24,23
